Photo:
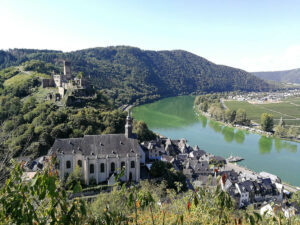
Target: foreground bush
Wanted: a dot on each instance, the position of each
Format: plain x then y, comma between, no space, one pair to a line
43,200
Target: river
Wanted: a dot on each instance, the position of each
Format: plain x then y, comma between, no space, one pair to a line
175,118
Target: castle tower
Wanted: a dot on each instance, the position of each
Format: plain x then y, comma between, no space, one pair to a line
67,70
128,126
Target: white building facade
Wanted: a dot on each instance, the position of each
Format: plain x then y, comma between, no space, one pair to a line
100,156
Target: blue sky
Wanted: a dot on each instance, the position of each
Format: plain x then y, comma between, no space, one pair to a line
254,35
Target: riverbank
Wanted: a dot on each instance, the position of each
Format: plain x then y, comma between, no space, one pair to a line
240,127
238,168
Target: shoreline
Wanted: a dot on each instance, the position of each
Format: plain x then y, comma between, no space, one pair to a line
238,168
240,127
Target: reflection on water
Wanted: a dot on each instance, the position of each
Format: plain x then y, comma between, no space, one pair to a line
265,144
239,137
215,126
280,144
228,134
203,120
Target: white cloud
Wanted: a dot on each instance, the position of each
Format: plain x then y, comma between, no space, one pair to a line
288,59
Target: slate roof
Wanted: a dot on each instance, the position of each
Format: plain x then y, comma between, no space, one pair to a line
246,186
267,183
198,153
263,186
100,145
231,175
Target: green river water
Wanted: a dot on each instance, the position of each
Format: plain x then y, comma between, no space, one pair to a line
175,118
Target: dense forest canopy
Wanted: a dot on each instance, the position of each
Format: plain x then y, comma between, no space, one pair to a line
131,75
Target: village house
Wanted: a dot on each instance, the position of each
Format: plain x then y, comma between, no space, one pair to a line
276,207
153,149
100,156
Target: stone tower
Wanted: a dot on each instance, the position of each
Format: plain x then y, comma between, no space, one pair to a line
128,126
67,70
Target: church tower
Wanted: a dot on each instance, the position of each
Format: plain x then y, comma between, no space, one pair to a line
128,126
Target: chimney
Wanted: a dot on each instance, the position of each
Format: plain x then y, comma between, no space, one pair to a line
128,126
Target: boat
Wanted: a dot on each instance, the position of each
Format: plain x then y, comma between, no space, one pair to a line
234,159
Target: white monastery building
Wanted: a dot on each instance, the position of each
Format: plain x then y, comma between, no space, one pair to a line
101,156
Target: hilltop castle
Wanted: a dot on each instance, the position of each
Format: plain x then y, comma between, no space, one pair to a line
65,82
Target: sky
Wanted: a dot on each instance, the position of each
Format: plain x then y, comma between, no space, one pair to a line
254,35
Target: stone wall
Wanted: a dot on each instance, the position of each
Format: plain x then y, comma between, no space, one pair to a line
48,83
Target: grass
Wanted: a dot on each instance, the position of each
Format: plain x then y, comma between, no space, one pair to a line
23,77
17,80
289,110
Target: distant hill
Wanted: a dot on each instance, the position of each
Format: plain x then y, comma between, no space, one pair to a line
287,76
132,75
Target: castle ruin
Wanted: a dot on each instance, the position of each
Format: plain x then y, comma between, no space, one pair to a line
64,82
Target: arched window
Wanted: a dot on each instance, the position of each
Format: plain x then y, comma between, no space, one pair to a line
132,164
68,164
91,168
112,167
79,163
122,165
102,169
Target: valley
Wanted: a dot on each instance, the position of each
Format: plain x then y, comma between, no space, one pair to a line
175,118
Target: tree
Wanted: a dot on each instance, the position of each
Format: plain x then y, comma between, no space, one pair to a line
168,173
80,75
296,198
204,106
75,178
241,117
142,131
267,122
230,115
293,132
280,131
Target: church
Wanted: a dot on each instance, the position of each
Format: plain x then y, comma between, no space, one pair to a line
100,156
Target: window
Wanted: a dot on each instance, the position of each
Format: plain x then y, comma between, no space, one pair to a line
102,169
68,164
112,167
91,168
57,165
79,163
132,164
122,165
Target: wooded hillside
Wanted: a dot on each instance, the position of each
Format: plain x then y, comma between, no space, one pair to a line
131,75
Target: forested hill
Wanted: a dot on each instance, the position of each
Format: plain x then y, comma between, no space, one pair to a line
133,75
287,76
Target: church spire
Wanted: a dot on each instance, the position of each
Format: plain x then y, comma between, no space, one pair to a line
128,126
